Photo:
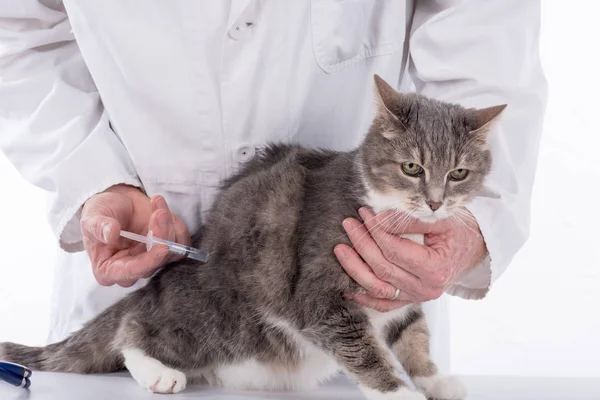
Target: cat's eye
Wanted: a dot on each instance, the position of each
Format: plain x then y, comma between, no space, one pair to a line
458,174
412,169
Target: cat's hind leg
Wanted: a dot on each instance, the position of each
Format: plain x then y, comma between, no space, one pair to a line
409,340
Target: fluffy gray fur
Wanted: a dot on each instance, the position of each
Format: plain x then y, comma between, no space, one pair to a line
272,286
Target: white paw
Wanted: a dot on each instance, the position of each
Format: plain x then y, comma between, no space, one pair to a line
442,387
152,374
169,381
401,394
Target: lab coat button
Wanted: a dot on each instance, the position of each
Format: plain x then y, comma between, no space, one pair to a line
241,30
245,153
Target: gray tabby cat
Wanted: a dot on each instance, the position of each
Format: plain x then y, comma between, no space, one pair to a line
265,312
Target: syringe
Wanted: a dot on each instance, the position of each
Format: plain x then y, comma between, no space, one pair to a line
175,248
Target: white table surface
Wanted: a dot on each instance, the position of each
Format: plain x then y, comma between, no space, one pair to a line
53,386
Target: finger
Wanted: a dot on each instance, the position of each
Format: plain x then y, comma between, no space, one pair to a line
162,222
99,228
402,297
162,227
178,231
381,305
399,223
127,283
413,257
361,241
182,234
132,268
362,273
382,268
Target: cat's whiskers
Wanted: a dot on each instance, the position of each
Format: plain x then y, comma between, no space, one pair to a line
467,216
369,230
407,217
388,239
458,216
464,212
358,227
393,214
403,220
400,221
395,226
381,222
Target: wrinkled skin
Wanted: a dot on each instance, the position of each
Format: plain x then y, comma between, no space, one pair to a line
120,261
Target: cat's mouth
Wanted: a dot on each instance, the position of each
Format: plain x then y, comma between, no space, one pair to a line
414,207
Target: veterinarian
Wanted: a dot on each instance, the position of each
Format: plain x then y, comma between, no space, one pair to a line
107,104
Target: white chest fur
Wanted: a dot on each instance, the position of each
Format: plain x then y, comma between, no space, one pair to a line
315,368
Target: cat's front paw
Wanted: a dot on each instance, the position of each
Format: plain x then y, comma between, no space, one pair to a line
442,387
168,381
151,374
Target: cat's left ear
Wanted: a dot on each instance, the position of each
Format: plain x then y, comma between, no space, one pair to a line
387,98
485,117
390,104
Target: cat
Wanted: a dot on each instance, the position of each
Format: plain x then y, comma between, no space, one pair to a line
265,312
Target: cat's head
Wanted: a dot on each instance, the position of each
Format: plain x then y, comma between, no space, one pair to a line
425,157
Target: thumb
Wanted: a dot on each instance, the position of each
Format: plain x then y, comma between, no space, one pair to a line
162,220
101,229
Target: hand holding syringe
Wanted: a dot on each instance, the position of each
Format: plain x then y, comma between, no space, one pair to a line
175,248
126,208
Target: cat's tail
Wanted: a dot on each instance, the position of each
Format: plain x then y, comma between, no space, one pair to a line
89,350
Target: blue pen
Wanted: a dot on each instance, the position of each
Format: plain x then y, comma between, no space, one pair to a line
13,379
16,369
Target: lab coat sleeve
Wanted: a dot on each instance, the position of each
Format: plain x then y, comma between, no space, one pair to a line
478,54
53,127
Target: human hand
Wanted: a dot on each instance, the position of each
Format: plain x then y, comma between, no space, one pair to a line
420,272
118,260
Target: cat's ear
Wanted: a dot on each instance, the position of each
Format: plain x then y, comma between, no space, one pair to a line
485,117
387,97
388,100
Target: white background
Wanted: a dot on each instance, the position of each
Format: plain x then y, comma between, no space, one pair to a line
541,318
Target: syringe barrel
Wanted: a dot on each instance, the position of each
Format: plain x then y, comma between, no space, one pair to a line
189,252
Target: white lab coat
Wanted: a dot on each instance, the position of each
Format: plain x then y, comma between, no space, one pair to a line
173,96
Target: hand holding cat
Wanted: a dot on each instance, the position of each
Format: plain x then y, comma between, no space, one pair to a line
121,261
421,273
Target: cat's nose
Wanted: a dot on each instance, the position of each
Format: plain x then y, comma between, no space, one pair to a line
434,205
